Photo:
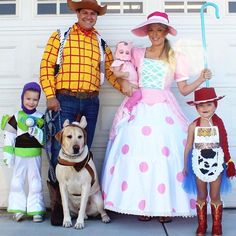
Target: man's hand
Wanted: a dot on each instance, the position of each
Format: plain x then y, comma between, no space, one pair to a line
118,71
127,88
53,104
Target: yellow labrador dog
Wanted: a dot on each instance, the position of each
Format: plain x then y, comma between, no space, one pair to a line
77,177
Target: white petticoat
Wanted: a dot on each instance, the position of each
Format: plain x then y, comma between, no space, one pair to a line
142,172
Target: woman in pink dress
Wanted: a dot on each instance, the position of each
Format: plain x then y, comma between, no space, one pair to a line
142,172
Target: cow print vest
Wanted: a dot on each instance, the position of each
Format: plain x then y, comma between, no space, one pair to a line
208,156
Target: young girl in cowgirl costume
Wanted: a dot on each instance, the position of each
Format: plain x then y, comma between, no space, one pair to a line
207,160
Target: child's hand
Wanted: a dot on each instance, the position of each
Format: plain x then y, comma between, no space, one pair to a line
8,159
37,133
32,131
230,170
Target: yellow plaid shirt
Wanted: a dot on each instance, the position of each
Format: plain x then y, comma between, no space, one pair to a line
80,71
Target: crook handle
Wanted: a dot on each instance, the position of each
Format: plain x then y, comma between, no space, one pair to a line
204,6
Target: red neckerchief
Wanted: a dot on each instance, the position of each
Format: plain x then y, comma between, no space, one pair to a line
86,32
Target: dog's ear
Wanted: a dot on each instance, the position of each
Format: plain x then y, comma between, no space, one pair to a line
83,122
58,136
66,122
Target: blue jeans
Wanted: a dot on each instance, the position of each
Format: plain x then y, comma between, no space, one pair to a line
71,107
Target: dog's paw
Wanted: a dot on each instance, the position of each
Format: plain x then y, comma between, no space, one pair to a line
106,219
79,225
67,223
85,217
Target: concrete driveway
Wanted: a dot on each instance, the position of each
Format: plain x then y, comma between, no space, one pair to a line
121,225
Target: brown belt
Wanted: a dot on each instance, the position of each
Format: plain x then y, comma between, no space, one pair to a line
79,95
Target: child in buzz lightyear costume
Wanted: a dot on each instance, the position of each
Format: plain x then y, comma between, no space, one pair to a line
23,140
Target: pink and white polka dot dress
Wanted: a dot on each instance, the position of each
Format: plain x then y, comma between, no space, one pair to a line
142,169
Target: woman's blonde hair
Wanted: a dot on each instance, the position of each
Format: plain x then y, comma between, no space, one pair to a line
169,54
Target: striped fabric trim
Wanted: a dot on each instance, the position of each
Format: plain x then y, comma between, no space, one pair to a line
28,152
16,211
8,149
33,213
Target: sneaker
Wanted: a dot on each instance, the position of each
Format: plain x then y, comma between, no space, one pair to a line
18,216
37,218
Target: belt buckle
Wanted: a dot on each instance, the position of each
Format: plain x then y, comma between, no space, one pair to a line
81,95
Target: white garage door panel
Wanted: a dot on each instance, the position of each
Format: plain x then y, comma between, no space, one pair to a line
5,178
10,64
109,100
221,51
36,52
227,63
229,199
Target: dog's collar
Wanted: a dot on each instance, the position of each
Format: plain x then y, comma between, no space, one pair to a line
77,165
80,165
67,156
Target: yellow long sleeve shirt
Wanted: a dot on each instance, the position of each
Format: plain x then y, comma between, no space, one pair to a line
79,71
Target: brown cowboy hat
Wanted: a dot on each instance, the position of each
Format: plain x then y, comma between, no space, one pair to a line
87,4
204,95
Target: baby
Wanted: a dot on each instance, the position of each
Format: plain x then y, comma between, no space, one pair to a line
123,58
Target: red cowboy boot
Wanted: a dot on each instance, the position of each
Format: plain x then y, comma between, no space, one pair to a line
216,211
202,218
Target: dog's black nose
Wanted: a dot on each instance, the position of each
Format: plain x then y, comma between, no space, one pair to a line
76,149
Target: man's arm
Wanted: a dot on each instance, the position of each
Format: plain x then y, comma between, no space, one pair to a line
47,66
108,73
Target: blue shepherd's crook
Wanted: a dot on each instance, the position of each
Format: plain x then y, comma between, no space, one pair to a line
204,6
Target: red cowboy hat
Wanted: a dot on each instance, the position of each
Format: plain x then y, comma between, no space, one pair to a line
155,17
87,4
204,95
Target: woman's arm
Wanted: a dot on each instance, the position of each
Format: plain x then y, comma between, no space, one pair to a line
185,88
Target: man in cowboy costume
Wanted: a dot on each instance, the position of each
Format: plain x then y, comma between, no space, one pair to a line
72,71
75,88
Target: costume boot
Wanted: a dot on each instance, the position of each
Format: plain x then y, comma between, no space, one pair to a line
55,203
216,211
202,218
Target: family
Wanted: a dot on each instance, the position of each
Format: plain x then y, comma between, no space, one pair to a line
156,163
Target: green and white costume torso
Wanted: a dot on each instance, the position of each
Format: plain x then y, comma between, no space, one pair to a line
22,150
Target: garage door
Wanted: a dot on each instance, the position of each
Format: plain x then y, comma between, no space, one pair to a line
26,26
